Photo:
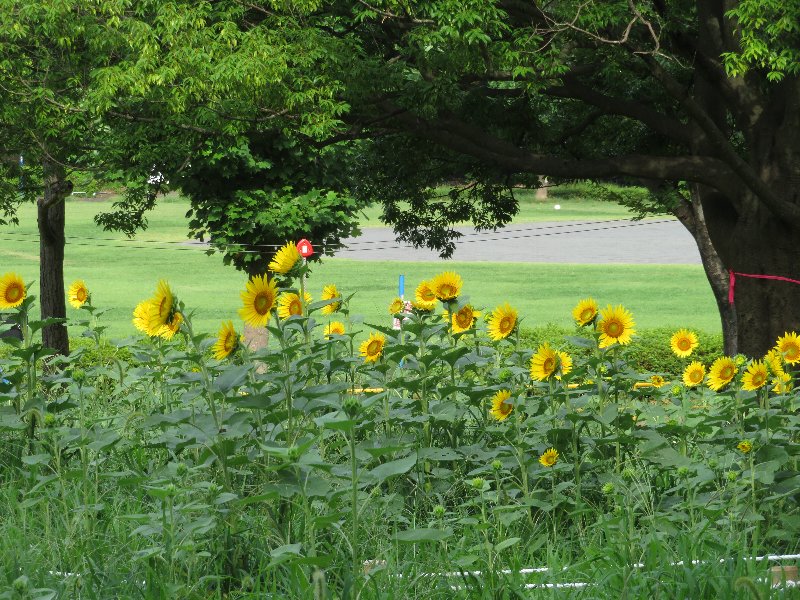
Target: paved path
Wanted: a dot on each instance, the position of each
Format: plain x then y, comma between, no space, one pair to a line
653,241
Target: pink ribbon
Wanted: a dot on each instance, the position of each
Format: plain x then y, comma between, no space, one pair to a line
732,281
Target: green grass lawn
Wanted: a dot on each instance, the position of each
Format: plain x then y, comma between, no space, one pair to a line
121,273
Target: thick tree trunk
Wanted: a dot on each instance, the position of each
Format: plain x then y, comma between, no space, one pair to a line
51,255
758,244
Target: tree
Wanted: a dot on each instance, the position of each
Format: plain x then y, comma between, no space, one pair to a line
137,88
699,100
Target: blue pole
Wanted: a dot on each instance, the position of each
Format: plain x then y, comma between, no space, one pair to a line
401,287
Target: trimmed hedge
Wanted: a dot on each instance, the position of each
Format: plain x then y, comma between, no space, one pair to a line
649,350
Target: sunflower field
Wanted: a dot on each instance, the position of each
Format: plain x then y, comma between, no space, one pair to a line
441,459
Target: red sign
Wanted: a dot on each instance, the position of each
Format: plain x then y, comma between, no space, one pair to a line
305,248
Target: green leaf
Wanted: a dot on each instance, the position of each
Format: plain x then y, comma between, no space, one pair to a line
394,467
425,534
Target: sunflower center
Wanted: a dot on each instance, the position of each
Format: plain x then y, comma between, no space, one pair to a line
587,314
549,364
504,408
262,303
614,329
296,308
447,290
696,376
505,324
726,372
684,344
428,296
229,343
13,293
373,348
792,352
759,379
81,295
463,319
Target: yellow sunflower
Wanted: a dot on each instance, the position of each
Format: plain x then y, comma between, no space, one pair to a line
500,408
755,376
259,300
446,286
464,318
774,360
722,372
140,320
616,326
172,326
424,298
789,347
502,322
548,362
334,328
227,341
782,383
285,259
657,381
12,290
78,293
289,304
372,348
585,312
396,306
694,374
329,292
745,446
161,308
549,458
683,342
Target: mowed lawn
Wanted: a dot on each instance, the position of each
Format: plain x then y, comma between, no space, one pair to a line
120,273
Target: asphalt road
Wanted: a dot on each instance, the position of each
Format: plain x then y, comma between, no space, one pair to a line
653,241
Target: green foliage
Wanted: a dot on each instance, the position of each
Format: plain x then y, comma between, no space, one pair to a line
769,36
302,466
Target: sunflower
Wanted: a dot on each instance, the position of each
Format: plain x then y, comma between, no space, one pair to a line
372,348
446,286
616,326
657,381
789,346
424,298
334,328
585,312
12,290
285,259
683,342
171,327
502,322
464,318
259,300
755,376
548,362
78,293
745,446
694,374
140,316
289,304
396,306
721,373
782,383
227,341
500,408
329,292
161,308
549,458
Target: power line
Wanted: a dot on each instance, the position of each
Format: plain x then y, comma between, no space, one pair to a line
205,246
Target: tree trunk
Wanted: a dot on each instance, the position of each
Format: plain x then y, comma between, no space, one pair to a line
51,255
756,243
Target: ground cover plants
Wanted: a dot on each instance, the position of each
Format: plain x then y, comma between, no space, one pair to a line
446,459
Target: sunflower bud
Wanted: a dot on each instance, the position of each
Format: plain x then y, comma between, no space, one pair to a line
351,406
438,511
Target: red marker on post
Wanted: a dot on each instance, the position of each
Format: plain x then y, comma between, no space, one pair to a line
305,248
